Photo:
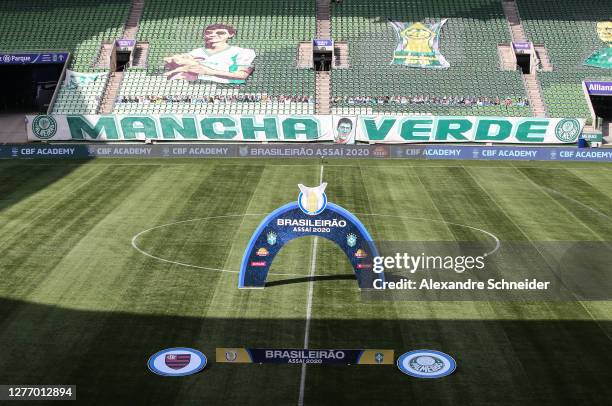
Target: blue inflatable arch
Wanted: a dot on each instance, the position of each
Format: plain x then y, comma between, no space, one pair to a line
290,222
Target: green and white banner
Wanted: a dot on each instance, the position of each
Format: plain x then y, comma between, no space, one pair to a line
382,129
418,45
298,128
430,129
74,80
602,58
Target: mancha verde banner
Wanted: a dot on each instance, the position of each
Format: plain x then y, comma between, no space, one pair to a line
506,130
382,129
181,128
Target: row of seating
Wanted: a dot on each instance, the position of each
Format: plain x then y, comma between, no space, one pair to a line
210,108
271,28
468,41
568,30
502,111
83,99
77,26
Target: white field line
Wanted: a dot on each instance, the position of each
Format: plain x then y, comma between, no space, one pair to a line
313,268
145,253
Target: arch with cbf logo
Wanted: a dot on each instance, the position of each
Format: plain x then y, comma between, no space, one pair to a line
310,215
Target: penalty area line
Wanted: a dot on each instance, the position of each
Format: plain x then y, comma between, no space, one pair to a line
313,267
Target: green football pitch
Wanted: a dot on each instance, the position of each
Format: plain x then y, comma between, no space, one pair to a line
105,262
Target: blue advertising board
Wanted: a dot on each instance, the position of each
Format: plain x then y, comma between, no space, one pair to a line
598,88
222,150
20,58
497,153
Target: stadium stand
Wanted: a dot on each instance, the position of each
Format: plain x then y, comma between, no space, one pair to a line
468,41
83,99
273,29
568,31
76,26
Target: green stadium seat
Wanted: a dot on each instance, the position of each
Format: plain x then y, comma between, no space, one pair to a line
568,30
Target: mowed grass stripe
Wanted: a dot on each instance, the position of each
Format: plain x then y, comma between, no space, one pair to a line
169,289
535,218
148,305
34,193
469,206
34,251
567,189
272,317
390,188
600,180
462,205
527,344
19,181
350,322
51,237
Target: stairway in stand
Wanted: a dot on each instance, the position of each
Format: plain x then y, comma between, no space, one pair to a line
116,78
323,79
532,85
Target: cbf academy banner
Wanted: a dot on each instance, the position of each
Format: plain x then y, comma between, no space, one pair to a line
430,129
305,128
419,45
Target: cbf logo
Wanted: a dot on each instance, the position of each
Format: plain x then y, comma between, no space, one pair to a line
567,130
312,200
44,127
351,240
426,364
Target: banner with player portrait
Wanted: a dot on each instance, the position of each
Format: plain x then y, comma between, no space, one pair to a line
371,129
345,128
217,61
419,45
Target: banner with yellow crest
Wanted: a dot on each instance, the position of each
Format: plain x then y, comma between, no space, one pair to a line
418,45
603,57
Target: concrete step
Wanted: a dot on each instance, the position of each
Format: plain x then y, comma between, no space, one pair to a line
111,92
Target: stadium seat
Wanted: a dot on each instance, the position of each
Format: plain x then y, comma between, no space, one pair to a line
568,30
273,29
76,26
469,42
